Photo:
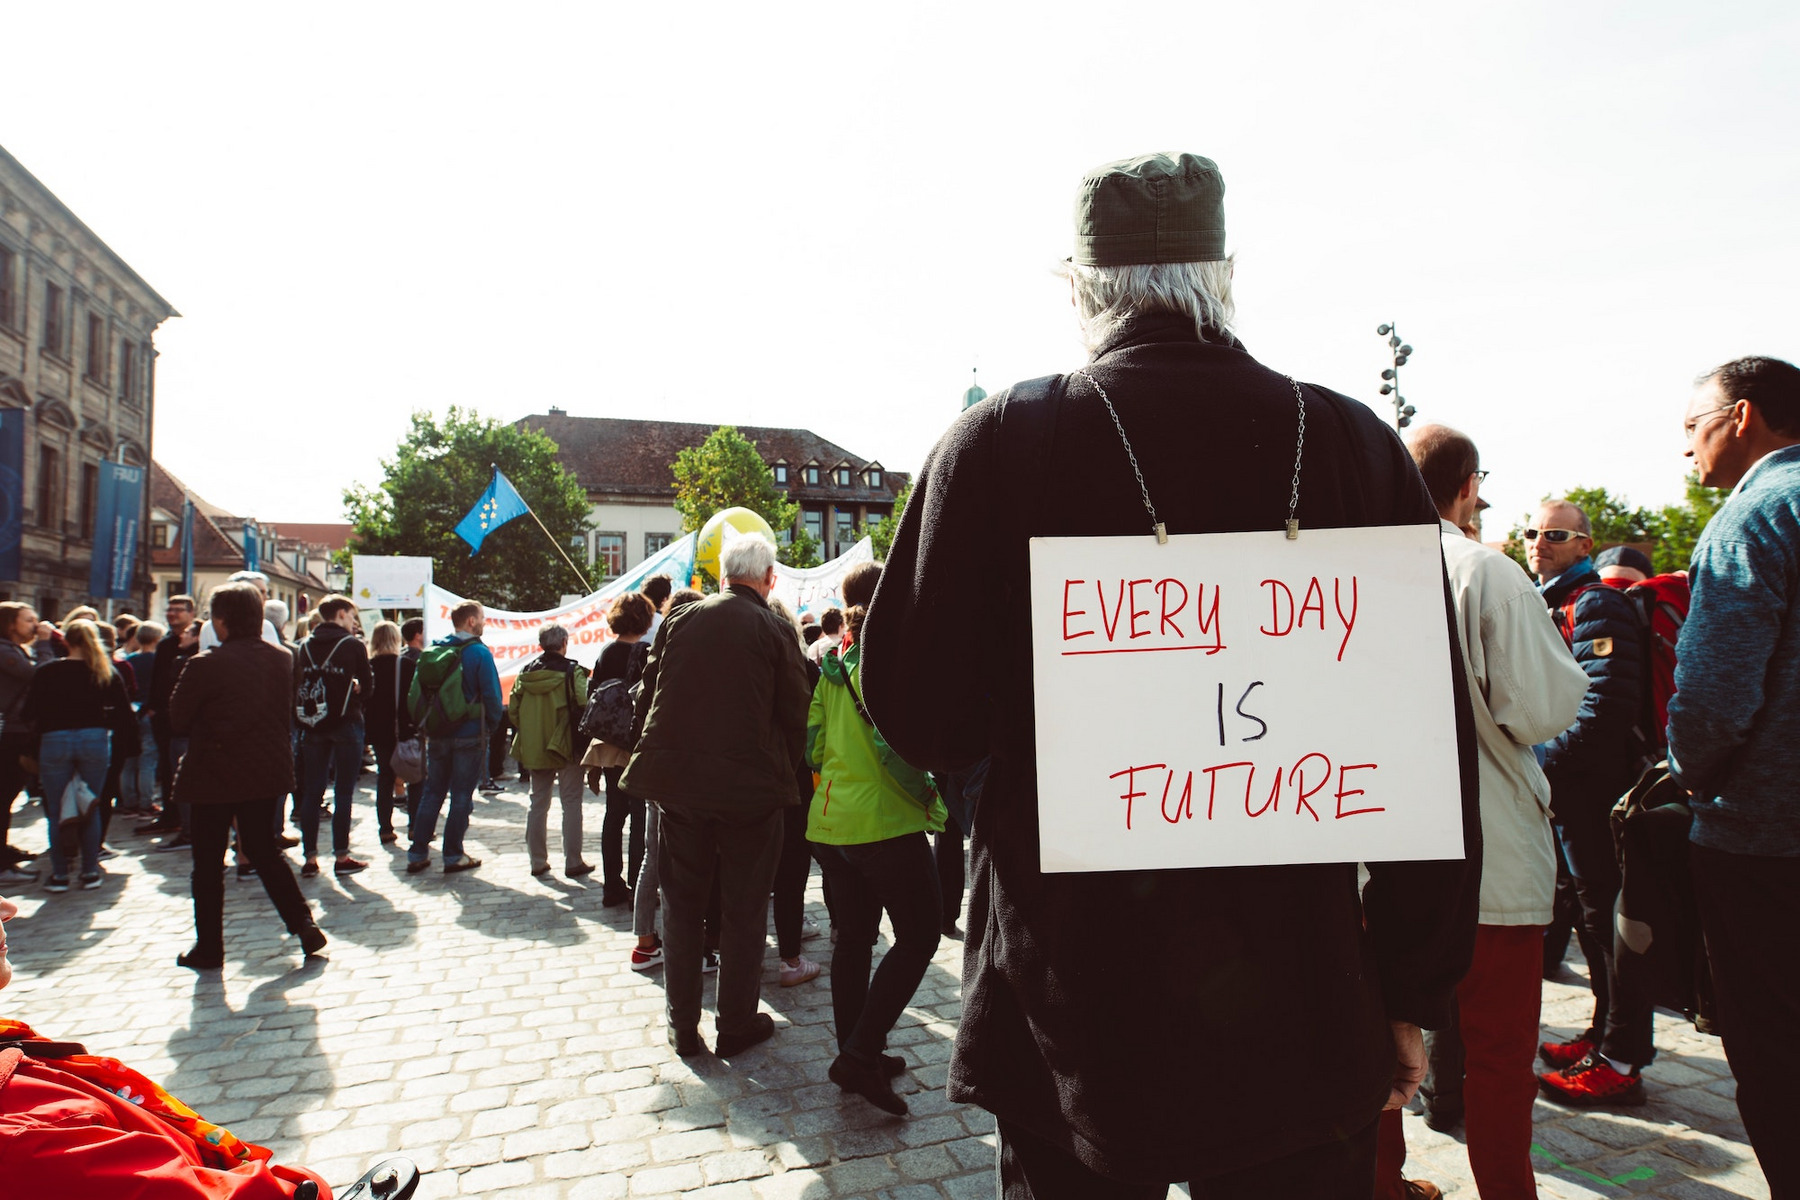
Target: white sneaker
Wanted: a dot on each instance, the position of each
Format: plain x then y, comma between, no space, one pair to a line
809,928
803,970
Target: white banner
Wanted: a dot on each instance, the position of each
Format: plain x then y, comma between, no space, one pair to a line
817,588
513,636
389,581
1239,699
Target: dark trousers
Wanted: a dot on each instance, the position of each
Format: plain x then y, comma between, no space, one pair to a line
1622,1025
339,752
256,840
1747,907
165,758
947,851
898,875
693,847
384,792
790,881
1340,1169
12,782
498,744
615,855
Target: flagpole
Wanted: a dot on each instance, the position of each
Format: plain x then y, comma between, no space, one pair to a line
586,586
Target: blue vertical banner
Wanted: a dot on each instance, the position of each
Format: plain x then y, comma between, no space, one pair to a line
120,501
187,546
251,557
12,490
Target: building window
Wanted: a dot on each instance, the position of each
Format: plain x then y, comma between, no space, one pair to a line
872,522
874,477
656,541
812,475
96,348
579,544
609,553
781,475
56,320
815,524
49,482
128,370
90,498
843,476
159,535
845,532
9,306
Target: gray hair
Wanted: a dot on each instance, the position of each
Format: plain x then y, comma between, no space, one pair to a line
1106,296
553,638
748,558
253,577
275,612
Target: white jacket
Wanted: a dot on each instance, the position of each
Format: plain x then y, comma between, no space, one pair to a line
1526,688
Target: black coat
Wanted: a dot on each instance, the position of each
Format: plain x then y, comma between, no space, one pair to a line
1596,760
386,721
235,705
1160,1025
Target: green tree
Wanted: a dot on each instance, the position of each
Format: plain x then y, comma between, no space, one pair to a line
725,471
1679,525
883,535
437,475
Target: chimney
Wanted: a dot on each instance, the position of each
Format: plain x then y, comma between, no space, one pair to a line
557,412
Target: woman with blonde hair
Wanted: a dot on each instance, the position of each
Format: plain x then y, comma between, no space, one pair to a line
79,708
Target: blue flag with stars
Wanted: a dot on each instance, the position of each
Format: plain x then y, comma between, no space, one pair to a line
498,505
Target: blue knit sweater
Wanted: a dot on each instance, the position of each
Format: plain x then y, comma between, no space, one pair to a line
1734,722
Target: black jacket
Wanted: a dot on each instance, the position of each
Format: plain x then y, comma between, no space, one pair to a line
387,723
340,666
1160,1025
235,705
1595,761
722,716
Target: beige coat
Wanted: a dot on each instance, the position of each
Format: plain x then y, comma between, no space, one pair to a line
1526,688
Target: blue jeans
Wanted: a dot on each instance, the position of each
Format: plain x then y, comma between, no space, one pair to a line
137,786
453,766
63,754
340,749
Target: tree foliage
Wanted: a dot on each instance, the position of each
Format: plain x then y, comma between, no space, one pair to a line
1672,529
883,534
726,471
437,475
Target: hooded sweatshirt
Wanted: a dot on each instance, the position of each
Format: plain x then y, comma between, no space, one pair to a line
542,709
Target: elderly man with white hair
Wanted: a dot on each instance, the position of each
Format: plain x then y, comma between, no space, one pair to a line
721,729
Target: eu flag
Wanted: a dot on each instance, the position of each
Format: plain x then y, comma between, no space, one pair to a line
498,505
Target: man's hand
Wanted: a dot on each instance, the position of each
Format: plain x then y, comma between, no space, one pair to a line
1409,1065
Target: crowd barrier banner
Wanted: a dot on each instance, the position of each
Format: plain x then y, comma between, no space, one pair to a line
389,581
513,636
1240,699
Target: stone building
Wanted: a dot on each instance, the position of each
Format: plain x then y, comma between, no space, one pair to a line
626,467
77,357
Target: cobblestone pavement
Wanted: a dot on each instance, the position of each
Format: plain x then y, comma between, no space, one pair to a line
487,1025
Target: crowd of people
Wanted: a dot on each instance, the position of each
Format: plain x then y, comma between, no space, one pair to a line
737,746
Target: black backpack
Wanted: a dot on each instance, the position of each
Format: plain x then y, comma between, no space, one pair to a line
315,704
612,706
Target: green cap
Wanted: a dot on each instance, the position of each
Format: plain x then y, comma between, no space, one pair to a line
1151,209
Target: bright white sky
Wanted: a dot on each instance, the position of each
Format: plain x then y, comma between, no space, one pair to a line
822,216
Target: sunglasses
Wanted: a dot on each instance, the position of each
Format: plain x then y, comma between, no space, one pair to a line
1555,537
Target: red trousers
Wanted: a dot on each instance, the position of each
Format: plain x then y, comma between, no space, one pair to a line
1497,1002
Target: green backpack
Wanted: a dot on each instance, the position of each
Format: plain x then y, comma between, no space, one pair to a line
437,702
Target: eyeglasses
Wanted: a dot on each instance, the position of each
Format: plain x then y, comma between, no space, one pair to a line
1480,478
1692,427
1555,537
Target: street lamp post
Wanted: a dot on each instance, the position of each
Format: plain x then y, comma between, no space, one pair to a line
1403,412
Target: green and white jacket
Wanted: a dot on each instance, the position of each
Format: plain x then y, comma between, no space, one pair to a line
866,792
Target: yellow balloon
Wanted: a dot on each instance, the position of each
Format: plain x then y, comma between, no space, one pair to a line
712,536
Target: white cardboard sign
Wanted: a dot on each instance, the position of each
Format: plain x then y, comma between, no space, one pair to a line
1239,699
389,581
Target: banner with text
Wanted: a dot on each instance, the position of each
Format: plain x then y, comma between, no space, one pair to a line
1239,699
389,580
118,505
12,492
513,636
816,589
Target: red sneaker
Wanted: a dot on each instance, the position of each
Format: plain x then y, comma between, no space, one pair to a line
1563,1055
1592,1083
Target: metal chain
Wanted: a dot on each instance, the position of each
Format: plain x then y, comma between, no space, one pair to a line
1156,526
1293,521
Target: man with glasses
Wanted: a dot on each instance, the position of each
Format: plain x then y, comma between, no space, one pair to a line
1589,767
1734,737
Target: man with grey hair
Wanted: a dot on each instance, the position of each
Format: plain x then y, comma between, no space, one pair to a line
1270,1012
209,638
721,729
545,711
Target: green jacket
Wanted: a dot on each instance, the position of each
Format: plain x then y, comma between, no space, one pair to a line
544,707
722,714
866,792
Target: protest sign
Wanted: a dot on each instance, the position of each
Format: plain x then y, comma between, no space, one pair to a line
389,581
513,636
816,589
1240,699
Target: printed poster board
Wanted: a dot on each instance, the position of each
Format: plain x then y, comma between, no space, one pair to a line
1240,699
389,581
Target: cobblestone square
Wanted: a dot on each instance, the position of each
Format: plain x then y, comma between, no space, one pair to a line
487,1025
